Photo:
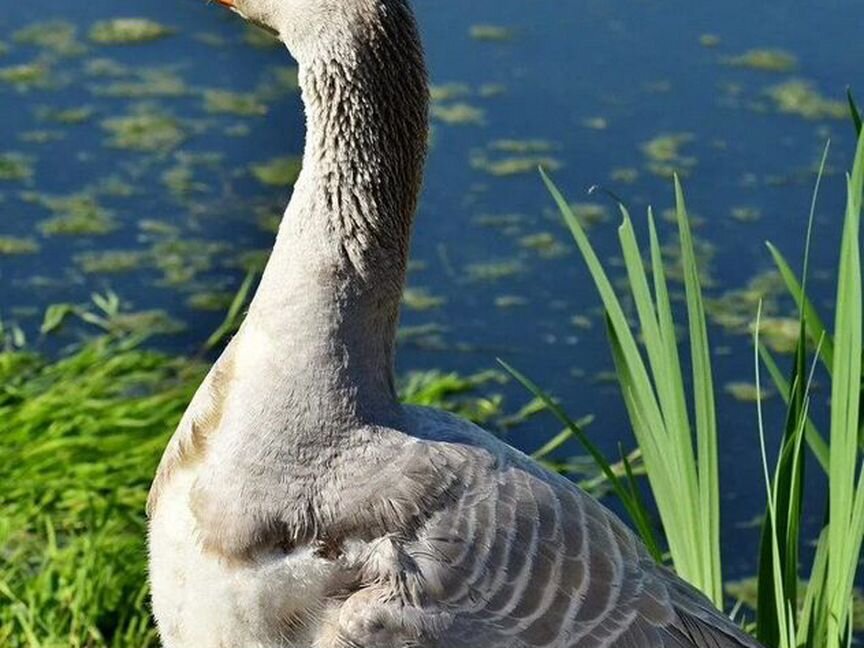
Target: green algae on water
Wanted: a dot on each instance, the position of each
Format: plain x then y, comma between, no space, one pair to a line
278,172
260,39
419,299
448,91
147,83
128,31
458,114
110,261
544,244
799,97
494,33
15,167
67,116
746,214
746,392
513,166
226,102
14,246
664,155
75,215
26,76
57,36
494,270
709,40
522,147
146,130
766,60
213,301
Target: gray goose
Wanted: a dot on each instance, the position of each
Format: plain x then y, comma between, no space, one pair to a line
298,504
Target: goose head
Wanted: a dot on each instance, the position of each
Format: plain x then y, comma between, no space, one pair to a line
308,25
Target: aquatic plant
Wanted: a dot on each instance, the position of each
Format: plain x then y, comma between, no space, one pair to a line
682,466
127,31
278,172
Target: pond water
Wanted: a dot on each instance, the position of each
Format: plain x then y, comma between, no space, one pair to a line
157,170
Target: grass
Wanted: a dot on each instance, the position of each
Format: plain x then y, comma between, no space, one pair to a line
681,460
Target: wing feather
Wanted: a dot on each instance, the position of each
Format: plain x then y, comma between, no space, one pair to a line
524,558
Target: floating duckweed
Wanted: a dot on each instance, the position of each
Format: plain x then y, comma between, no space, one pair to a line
626,175
77,115
590,214
103,67
596,123
181,260
459,113
259,38
278,80
780,334
150,82
76,214
419,299
4,48
664,154
59,36
15,167
448,91
157,227
489,90
226,102
709,40
278,172
180,180
128,31
545,244
491,33
767,60
494,270
114,186
522,147
41,136
511,166
798,97
12,245
110,261
582,322
210,301
746,214
26,75
746,392
734,309
145,131
509,301
504,221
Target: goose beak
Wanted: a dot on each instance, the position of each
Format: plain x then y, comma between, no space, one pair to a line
227,3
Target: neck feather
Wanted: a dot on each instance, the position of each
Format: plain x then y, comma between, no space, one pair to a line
329,297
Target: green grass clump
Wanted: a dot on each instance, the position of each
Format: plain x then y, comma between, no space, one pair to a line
81,438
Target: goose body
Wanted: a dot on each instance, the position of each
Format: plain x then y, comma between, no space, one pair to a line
299,505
